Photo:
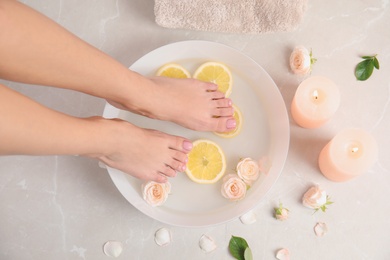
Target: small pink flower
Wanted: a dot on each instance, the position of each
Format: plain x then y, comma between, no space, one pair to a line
316,198
155,193
233,188
281,213
301,60
248,170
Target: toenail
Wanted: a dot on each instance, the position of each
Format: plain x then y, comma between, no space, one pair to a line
231,124
230,103
187,145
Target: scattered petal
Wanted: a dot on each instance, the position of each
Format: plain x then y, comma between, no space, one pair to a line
283,254
207,244
162,237
320,229
113,248
265,164
248,218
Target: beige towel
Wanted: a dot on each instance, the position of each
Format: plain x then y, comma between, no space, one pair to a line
231,16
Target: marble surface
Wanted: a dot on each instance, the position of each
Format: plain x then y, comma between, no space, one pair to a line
64,207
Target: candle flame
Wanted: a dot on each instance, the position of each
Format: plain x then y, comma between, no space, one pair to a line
355,149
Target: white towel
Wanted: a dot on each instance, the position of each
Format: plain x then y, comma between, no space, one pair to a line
231,16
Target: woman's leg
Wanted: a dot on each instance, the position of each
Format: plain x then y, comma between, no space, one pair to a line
36,50
29,128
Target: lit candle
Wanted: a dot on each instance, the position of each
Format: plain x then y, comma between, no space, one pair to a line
315,102
348,155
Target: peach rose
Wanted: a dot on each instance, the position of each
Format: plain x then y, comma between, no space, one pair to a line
281,213
248,170
155,193
301,60
233,188
316,198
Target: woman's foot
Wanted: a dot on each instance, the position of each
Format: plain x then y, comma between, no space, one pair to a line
190,103
143,153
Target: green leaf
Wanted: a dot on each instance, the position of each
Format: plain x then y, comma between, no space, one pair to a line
248,254
364,69
237,247
376,63
367,57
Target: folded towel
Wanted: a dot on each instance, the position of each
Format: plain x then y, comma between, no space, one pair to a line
231,16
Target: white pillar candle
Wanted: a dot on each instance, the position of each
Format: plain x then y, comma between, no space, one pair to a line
348,155
315,102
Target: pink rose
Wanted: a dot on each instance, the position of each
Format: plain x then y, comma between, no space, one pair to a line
233,188
316,198
301,60
155,193
248,170
281,213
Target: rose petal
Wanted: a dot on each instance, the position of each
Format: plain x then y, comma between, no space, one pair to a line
207,244
265,164
320,229
248,218
283,254
162,237
113,248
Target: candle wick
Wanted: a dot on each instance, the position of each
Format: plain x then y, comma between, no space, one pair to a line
315,94
355,149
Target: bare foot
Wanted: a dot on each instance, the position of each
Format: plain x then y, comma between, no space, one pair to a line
190,103
145,154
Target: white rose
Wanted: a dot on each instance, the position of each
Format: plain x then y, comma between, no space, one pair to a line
301,60
233,188
156,193
314,198
283,254
248,170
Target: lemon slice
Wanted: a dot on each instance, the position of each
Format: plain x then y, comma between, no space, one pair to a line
173,70
206,162
239,119
217,73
